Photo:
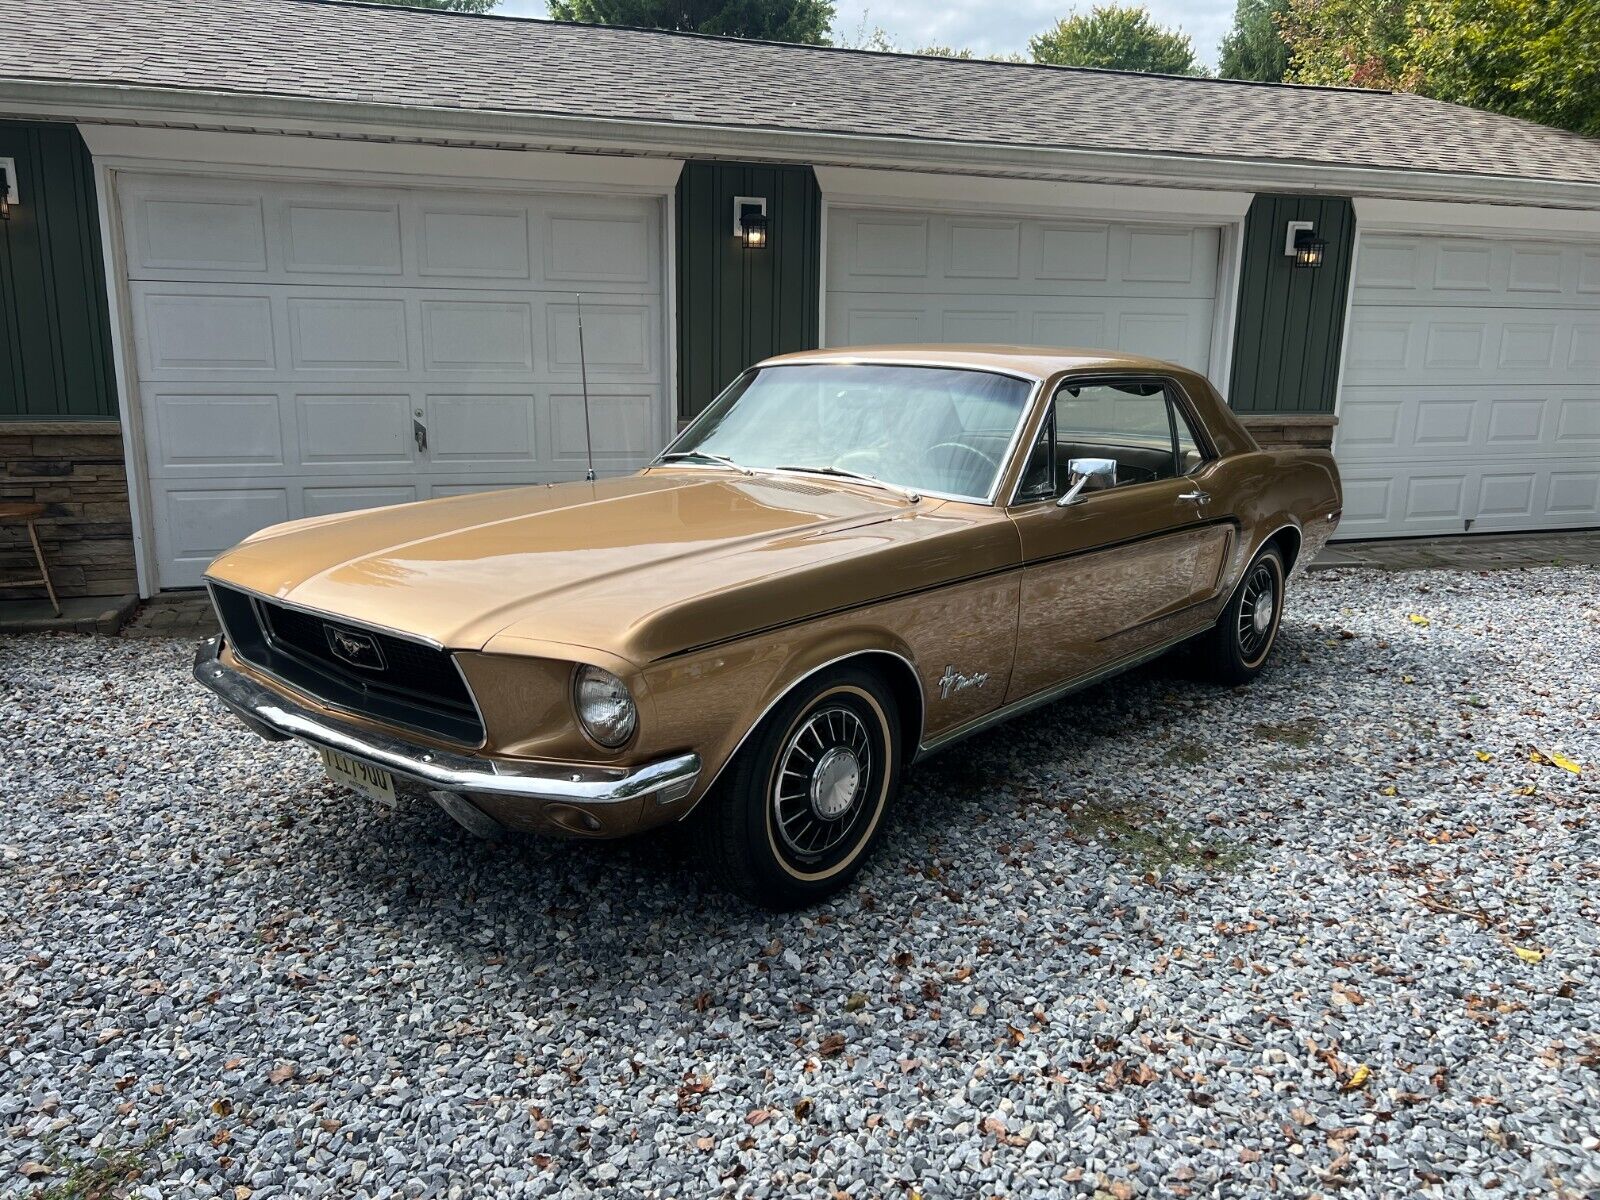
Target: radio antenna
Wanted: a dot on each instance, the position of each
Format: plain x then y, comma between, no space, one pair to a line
583,374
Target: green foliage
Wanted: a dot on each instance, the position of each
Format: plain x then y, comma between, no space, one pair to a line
1254,48
1359,43
1117,36
774,20
1536,59
944,52
466,6
1527,58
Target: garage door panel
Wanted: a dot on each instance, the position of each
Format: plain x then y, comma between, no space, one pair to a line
1422,270
473,431
346,333
202,332
328,238
325,501
477,335
357,431
226,234
290,335
621,422
1433,345
1389,423
186,227
895,253
198,432
473,241
1502,496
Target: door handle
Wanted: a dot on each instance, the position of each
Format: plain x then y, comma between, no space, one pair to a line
1197,496
419,431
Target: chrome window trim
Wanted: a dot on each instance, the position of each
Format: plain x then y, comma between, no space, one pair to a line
988,498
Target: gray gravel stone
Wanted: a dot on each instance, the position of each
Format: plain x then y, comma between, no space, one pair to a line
1142,942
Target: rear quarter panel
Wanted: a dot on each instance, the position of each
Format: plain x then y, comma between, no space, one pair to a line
1267,491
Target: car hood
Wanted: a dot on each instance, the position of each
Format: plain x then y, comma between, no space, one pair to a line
576,563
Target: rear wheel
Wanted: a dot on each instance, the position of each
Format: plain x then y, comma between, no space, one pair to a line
803,802
1236,648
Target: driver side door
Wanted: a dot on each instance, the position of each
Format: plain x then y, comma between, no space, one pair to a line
1124,568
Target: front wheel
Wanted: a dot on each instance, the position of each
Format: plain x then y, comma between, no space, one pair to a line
1235,649
794,817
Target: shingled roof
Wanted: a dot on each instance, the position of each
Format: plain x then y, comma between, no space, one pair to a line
315,50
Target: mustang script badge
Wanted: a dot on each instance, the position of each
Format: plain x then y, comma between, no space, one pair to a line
357,649
953,681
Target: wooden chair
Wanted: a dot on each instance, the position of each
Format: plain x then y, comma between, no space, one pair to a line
13,511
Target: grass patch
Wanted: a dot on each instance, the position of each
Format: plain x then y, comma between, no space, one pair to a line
105,1176
1153,842
1186,754
1297,733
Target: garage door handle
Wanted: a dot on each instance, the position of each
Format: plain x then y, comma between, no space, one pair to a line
1197,496
420,432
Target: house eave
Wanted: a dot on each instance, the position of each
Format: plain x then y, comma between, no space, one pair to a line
250,112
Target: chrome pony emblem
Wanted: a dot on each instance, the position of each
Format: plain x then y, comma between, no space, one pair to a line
357,649
953,681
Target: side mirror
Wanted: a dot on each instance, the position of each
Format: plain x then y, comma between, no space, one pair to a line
1082,470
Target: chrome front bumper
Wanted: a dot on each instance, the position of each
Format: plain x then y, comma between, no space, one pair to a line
504,785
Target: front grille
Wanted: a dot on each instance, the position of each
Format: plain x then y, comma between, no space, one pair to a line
389,678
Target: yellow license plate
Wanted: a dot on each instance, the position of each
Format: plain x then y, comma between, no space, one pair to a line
363,777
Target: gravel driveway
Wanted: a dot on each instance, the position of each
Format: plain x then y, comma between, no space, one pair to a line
1335,932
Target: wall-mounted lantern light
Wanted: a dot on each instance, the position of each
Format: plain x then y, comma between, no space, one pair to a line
750,221
8,187
1302,244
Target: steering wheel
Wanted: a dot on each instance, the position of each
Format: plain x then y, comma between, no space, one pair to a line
984,464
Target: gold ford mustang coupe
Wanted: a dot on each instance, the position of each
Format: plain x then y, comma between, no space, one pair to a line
851,559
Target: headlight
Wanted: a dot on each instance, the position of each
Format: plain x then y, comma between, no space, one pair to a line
604,705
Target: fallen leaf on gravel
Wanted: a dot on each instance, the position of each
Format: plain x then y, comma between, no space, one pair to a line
33,1170
758,1116
1553,759
1358,1078
1484,756
1391,790
831,1046
1419,619
802,1109
1528,955
1249,1156
282,1073
857,1001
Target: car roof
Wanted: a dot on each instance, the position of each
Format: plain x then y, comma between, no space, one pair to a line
1038,362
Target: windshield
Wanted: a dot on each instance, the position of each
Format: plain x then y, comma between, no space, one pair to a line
929,429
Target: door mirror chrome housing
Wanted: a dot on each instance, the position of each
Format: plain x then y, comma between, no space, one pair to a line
1082,470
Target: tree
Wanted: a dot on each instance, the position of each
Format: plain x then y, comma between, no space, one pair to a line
1118,36
467,6
774,20
1354,43
1254,48
1526,58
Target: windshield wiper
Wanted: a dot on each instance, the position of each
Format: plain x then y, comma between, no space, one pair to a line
678,455
861,476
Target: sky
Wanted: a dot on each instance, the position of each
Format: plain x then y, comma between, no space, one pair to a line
987,27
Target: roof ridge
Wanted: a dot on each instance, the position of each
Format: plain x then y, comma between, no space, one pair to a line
912,55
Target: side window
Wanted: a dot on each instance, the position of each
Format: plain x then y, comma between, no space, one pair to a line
1135,423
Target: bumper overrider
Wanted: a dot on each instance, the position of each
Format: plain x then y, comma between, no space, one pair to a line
481,793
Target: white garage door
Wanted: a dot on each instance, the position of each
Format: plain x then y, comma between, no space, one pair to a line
306,348
1471,396
926,277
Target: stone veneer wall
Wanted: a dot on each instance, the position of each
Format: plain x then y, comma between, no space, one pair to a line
76,470
1273,431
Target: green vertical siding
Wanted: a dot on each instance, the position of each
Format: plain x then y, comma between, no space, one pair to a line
1291,321
737,306
55,345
